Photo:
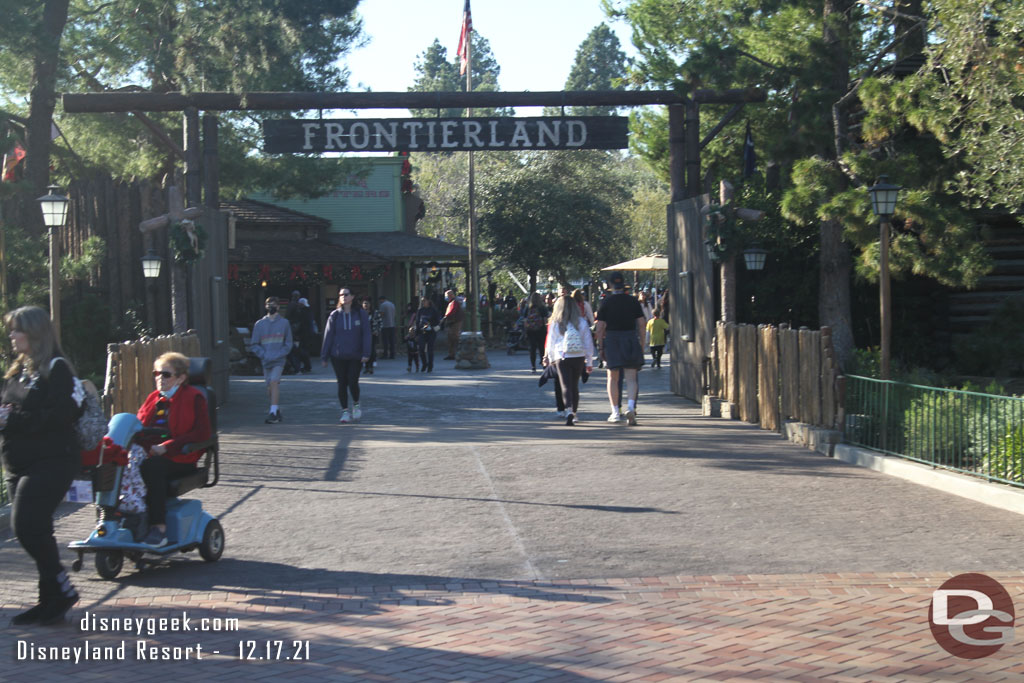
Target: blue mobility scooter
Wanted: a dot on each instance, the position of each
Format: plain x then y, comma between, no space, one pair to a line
117,534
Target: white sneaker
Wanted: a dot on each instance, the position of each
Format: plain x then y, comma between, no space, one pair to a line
560,413
631,417
345,417
615,417
356,413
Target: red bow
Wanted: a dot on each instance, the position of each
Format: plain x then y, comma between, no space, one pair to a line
298,273
232,271
264,272
357,274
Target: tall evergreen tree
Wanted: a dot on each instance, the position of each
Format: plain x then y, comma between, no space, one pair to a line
600,65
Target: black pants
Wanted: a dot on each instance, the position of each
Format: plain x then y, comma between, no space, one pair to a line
425,345
299,359
347,372
412,352
156,471
387,342
570,370
374,340
559,399
656,352
537,339
34,498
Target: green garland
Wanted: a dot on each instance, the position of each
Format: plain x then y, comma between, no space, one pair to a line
181,246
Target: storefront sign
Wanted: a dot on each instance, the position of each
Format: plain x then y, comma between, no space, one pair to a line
284,136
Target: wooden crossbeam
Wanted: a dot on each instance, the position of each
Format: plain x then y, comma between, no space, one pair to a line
78,103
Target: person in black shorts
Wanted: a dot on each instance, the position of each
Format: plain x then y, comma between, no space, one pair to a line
620,331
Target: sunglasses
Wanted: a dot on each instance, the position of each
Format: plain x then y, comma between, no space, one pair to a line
166,374
346,294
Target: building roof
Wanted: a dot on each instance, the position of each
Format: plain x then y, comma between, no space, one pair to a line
297,252
403,246
260,214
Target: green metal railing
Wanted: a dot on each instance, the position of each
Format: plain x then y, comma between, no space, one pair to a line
965,431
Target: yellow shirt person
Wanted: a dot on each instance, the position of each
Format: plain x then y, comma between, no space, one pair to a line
656,331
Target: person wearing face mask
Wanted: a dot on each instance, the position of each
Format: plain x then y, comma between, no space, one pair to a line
272,342
180,414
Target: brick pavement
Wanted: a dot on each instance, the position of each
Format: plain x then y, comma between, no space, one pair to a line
459,535
806,627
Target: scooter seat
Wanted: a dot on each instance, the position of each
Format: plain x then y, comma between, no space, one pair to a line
182,485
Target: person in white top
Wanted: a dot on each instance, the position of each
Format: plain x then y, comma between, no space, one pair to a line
571,348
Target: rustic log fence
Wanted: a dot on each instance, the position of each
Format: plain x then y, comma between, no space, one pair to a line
772,375
130,369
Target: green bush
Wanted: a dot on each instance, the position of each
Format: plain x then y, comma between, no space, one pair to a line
1006,458
935,427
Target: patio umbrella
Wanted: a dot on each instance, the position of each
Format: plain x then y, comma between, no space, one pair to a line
652,262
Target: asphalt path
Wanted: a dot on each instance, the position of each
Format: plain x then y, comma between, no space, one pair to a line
468,475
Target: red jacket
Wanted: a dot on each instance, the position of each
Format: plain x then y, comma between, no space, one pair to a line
188,422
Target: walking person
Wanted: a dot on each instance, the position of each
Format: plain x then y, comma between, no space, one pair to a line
347,345
620,330
453,317
375,328
411,352
272,342
387,327
570,347
39,453
657,332
536,315
427,323
303,331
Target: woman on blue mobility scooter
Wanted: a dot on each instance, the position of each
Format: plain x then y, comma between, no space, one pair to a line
173,416
168,448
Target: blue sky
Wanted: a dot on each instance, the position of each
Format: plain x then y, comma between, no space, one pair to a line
534,41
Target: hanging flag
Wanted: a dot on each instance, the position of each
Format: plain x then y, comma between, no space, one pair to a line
749,157
11,159
467,28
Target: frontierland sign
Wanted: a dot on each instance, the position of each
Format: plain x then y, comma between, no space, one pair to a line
283,136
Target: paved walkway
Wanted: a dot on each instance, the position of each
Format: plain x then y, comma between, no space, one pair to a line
462,533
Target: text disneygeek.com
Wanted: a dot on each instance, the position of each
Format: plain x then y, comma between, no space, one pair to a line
146,650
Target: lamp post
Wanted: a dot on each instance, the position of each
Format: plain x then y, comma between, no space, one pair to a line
883,202
754,257
151,263
55,214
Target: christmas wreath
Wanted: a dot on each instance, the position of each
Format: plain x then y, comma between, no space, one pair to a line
188,241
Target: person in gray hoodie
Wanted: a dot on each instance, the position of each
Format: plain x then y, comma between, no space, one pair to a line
347,343
271,342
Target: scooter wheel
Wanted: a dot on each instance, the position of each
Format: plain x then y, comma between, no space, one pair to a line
212,546
109,563
76,566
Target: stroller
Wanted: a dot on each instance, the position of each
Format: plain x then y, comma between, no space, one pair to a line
117,533
515,332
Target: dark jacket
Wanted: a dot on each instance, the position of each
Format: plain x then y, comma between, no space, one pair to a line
347,335
41,425
426,320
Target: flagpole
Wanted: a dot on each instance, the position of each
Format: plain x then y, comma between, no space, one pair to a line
473,298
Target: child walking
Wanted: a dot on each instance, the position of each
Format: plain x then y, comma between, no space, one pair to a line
657,331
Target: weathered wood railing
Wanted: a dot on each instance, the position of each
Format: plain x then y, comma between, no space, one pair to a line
130,369
771,375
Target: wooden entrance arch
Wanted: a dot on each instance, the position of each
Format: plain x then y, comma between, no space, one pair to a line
689,274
